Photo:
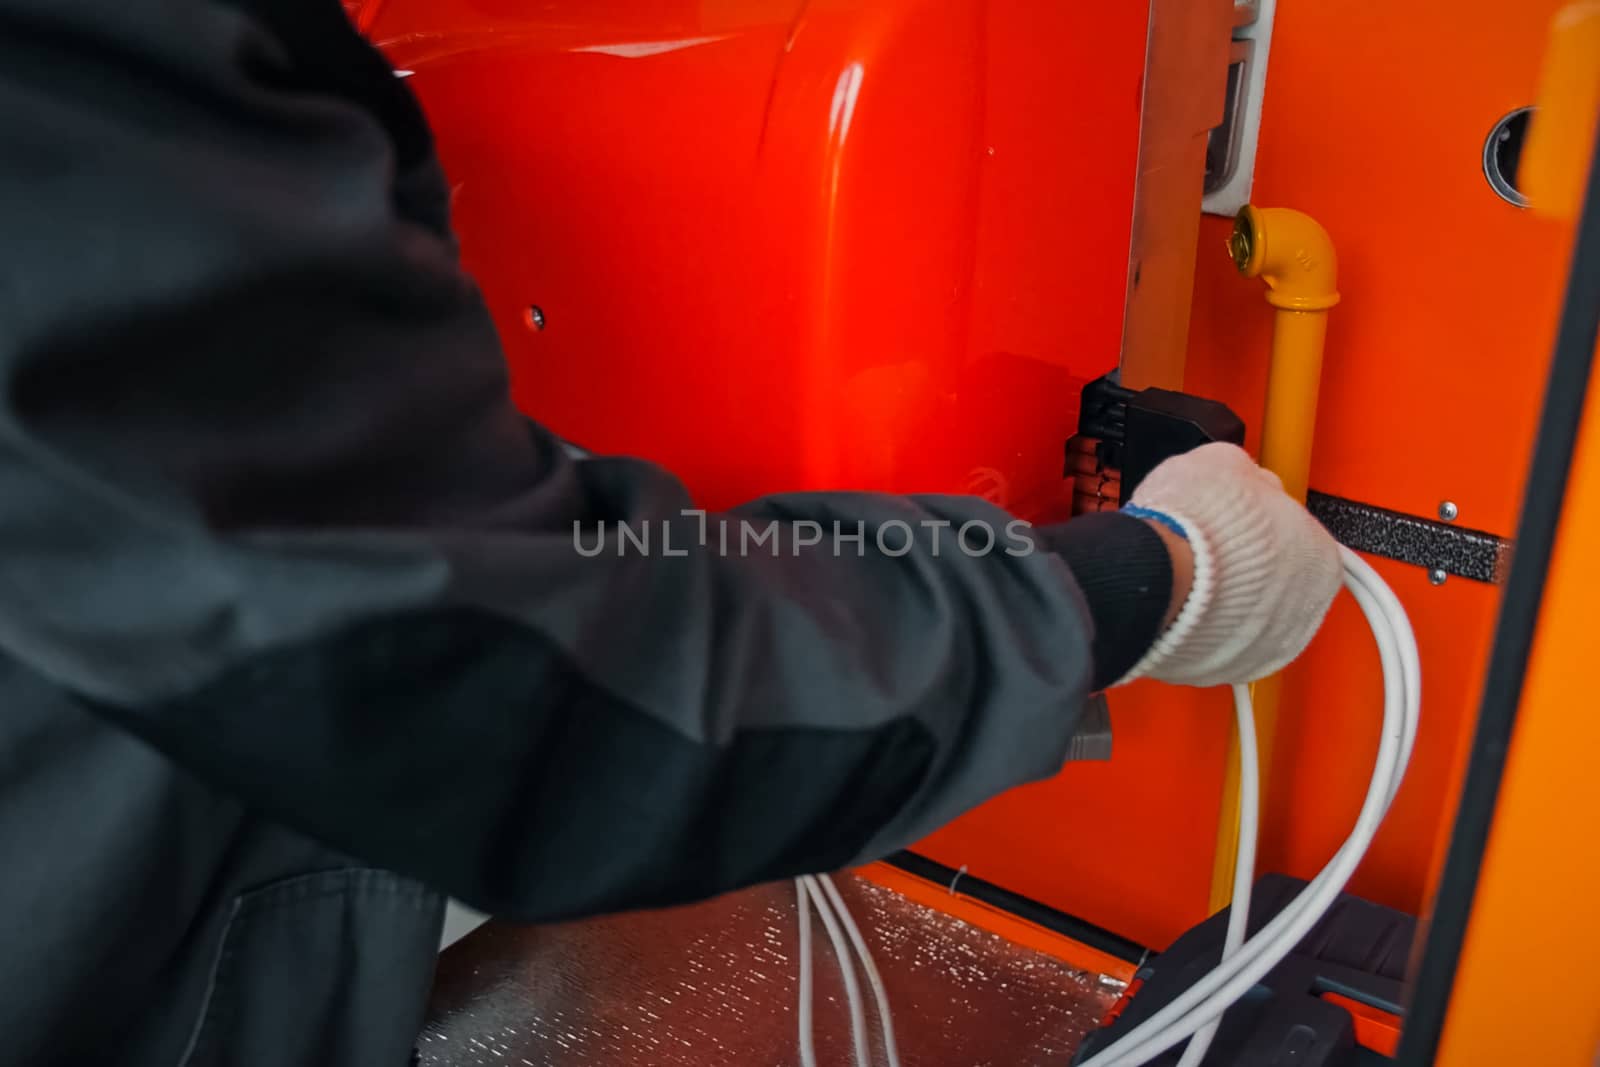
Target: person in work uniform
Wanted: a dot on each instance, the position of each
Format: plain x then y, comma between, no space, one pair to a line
295,641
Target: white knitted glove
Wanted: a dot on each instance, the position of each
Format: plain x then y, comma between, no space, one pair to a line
1265,571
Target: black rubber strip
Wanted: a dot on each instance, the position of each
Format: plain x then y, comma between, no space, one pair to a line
1519,617
1473,554
1060,922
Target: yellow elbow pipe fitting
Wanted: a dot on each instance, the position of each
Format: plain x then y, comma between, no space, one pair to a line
1293,255
1291,252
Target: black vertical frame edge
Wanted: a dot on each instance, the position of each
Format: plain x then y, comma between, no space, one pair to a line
1565,394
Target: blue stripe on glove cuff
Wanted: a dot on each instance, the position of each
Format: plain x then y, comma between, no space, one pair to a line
1157,517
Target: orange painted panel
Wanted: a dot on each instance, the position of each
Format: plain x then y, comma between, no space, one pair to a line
1535,903
1126,844
1328,737
1375,1029
1374,122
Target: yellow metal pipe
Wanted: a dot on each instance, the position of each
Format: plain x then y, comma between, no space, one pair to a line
1294,256
1290,414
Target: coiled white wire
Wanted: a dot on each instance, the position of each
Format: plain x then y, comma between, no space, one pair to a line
1213,994
1198,1010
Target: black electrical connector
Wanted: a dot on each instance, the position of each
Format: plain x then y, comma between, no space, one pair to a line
1136,430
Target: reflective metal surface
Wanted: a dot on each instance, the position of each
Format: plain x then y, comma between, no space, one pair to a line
714,985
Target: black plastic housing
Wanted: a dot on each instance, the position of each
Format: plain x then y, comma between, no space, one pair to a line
1137,430
1358,950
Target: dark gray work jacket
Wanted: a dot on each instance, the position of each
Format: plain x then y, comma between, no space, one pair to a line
290,601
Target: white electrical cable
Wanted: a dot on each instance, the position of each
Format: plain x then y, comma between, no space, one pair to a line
808,1048
1208,998
1307,910
1217,991
1245,961
841,952
1244,864
870,966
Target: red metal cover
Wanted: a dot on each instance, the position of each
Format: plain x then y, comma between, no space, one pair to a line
777,245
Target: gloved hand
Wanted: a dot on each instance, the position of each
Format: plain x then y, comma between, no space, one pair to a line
1265,571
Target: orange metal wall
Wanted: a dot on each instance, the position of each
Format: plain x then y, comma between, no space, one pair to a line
1534,899
1535,902
1374,123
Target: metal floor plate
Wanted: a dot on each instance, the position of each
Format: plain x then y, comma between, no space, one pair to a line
714,985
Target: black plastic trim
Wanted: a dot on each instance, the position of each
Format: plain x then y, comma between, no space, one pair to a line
1519,615
1060,922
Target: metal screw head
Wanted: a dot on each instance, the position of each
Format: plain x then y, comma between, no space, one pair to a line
1436,576
1448,511
1241,242
534,317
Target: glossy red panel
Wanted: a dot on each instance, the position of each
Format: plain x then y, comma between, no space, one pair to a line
778,248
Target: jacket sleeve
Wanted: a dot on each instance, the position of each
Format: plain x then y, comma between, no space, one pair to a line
265,504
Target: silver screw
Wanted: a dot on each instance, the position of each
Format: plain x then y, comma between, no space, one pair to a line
1448,511
534,317
1437,576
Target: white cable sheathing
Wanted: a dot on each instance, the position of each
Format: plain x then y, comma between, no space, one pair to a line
1244,865
869,965
841,952
1213,994
807,1040
1197,1011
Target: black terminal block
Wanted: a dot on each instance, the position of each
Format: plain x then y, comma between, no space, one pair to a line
1138,429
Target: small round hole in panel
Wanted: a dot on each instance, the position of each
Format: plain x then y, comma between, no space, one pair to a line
1502,153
